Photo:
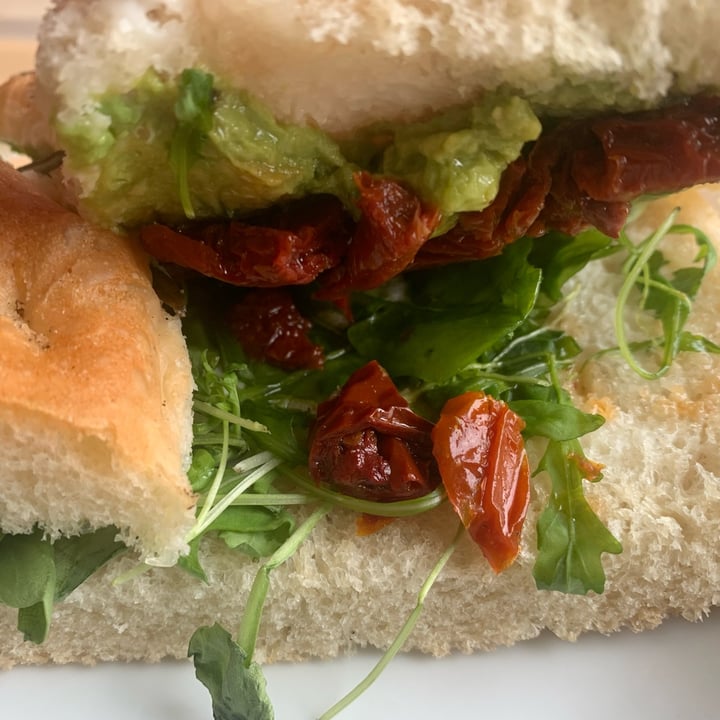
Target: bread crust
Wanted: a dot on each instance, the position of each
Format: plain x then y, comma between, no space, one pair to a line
23,122
95,383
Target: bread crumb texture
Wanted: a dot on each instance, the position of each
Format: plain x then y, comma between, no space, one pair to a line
660,496
345,63
95,383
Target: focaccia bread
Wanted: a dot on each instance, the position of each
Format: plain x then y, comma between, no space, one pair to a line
342,65
95,383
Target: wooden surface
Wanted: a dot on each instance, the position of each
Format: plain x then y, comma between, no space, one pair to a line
21,11
19,20
16,55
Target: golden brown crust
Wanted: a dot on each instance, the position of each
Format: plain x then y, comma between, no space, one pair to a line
95,386
22,119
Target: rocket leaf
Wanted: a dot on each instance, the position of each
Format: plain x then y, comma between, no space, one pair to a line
237,690
571,537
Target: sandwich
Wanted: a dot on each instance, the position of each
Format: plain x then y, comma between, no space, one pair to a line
344,238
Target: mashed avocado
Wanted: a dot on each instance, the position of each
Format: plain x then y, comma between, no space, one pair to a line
455,160
170,149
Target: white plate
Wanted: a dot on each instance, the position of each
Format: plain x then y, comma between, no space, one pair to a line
672,673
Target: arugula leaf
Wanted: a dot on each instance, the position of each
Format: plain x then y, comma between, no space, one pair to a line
191,562
669,299
257,531
556,421
451,317
690,342
571,537
194,115
561,256
238,689
202,468
35,573
519,369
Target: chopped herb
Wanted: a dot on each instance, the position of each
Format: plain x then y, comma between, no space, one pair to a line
194,116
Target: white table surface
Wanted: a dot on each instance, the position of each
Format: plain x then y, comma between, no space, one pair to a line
668,674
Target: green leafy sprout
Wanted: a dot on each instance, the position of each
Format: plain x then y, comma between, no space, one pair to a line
669,299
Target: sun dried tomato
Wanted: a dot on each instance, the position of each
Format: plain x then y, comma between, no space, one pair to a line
479,449
366,441
269,327
598,166
584,173
289,245
394,224
651,152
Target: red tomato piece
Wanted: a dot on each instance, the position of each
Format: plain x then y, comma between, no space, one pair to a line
394,224
479,449
288,245
269,327
368,443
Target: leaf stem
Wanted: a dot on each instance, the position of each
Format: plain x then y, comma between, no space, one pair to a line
182,168
217,480
220,414
401,637
634,267
250,625
210,512
398,508
273,499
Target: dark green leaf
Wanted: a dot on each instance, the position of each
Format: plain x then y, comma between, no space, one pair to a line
35,572
453,315
78,557
288,431
507,281
34,621
561,256
553,420
571,538
238,692
532,348
429,344
27,569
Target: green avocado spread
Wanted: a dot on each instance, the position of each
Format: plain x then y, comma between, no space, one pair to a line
189,147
